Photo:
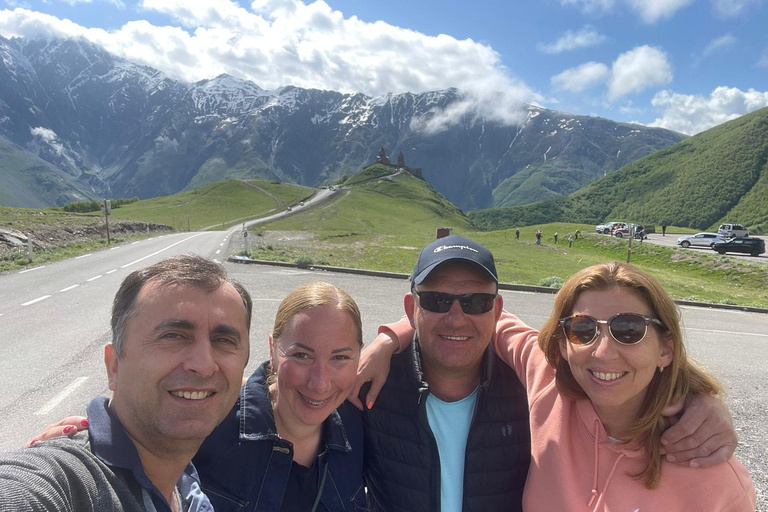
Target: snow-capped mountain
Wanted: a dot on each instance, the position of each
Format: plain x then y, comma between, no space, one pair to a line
110,127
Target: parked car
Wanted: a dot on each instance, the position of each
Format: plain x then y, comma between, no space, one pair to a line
732,230
700,240
605,229
745,244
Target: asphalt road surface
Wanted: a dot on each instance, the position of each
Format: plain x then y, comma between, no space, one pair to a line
670,240
54,322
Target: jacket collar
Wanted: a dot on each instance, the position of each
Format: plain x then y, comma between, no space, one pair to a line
110,443
257,419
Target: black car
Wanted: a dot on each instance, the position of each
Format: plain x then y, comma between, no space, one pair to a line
745,244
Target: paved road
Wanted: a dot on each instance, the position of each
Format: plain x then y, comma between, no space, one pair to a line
671,241
51,350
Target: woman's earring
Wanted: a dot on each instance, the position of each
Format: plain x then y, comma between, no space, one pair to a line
661,369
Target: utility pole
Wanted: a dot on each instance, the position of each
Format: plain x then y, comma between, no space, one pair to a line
245,239
629,244
106,207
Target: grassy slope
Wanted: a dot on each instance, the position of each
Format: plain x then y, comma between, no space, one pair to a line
26,180
378,224
717,176
351,232
223,202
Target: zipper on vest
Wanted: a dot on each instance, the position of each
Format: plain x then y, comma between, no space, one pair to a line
280,449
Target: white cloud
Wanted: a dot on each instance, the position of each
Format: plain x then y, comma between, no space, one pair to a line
718,44
581,77
590,6
763,62
288,42
692,114
585,37
731,8
651,11
638,69
46,134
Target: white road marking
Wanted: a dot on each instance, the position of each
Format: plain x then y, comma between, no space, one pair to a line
52,403
112,249
134,243
728,332
31,269
36,300
221,244
83,256
161,250
219,251
94,278
69,288
111,271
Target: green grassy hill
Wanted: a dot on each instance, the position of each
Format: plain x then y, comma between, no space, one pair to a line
377,221
211,206
720,175
376,202
26,180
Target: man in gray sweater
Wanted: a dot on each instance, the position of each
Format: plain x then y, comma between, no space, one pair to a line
175,365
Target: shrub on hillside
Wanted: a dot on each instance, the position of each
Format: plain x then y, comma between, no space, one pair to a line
551,282
304,262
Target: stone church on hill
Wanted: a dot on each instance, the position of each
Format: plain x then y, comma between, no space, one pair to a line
382,159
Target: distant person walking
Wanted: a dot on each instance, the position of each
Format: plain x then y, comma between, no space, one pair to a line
517,234
538,237
663,230
578,232
570,240
555,237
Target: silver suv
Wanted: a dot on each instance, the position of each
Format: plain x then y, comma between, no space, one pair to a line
732,230
700,240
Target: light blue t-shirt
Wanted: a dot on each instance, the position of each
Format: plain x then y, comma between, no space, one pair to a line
450,423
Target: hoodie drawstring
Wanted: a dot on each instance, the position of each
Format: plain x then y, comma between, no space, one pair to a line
597,457
595,494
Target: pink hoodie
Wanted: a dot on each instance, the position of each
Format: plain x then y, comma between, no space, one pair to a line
574,465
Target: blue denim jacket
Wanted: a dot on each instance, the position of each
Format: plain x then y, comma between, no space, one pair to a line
244,465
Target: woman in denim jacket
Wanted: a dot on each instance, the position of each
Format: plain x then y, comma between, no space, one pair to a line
292,442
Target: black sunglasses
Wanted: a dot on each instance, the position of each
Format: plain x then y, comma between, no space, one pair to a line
471,303
626,328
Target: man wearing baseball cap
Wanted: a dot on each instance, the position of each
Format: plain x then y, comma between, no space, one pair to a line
450,428
450,431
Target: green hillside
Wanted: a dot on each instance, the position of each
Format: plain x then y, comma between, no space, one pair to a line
720,175
26,180
375,202
378,222
211,206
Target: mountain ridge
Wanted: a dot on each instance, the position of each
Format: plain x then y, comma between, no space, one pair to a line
122,130
719,175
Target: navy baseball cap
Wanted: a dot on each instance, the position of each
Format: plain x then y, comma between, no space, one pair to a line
453,248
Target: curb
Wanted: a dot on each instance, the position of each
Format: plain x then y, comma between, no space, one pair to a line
502,286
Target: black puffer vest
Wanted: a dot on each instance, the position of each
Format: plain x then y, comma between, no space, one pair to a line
402,461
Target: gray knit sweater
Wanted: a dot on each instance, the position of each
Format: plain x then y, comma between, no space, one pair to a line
63,475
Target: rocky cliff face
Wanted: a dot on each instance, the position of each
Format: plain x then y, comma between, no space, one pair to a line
123,130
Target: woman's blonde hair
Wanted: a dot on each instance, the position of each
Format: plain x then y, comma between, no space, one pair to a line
313,295
681,379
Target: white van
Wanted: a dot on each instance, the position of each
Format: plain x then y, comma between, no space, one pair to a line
732,230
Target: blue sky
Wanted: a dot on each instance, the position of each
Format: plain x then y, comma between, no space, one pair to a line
685,65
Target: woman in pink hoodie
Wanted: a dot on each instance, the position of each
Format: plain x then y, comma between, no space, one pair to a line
616,359
598,375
